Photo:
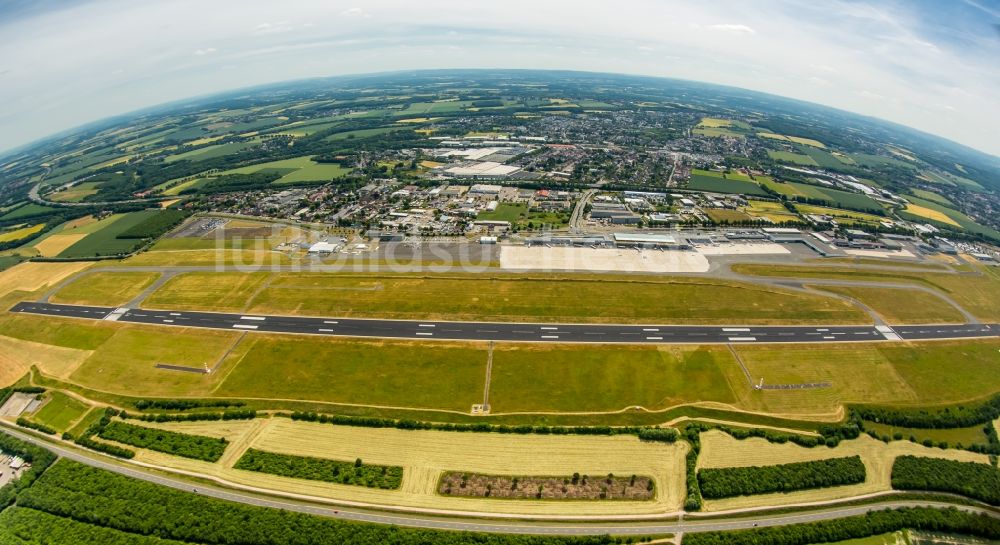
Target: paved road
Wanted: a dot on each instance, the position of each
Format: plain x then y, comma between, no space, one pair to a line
597,527
528,332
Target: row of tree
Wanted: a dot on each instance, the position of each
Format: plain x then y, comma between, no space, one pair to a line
958,416
197,447
876,523
185,404
319,469
232,414
978,481
21,526
727,482
39,458
95,496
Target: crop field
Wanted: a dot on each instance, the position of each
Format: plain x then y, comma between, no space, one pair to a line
931,196
955,216
60,411
564,298
717,132
902,306
704,180
361,133
211,152
104,241
929,214
18,234
392,373
532,378
207,291
204,256
511,212
33,276
76,193
295,170
426,455
27,210
721,450
774,211
795,139
954,436
976,293
17,356
105,288
720,215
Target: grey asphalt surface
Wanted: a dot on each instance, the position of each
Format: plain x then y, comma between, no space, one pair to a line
486,525
525,332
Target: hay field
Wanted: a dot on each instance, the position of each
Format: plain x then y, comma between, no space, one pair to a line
17,357
207,291
105,288
228,257
32,276
902,306
930,214
720,450
424,455
18,234
61,411
53,245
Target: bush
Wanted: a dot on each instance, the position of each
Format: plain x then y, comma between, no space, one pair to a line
745,481
197,447
24,422
319,469
39,458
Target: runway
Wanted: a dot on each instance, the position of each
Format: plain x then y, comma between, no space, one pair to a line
514,331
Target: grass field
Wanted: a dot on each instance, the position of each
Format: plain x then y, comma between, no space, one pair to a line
902,306
103,242
720,450
18,234
835,197
842,216
425,455
954,436
511,212
396,373
361,133
208,291
30,209
60,411
211,152
795,139
17,356
557,298
895,374
76,193
568,378
721,215
774,211
298,169
931,196
105,288
976,293
33,276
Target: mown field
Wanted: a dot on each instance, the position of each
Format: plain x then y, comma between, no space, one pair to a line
902,306
721,450
60,411
564,298
704,180
104,241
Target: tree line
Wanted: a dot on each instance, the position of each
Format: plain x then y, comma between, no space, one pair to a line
232,414
95,496
949,520
978,481
319,469
197,447
184,404
39,458
727,482
957,416
23,526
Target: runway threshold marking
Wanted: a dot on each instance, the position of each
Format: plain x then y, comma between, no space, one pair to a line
738,339
425,333
654,338
330,322
545,328
735,329
258,318
550,336
326,330
426,325
244,326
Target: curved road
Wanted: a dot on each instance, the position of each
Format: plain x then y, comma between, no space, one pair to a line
637,527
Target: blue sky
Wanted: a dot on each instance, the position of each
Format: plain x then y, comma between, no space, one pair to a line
927,64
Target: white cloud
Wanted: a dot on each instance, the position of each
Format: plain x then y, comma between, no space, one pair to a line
206,51
736,29
355,12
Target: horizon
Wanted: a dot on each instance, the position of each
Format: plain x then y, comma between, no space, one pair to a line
935,78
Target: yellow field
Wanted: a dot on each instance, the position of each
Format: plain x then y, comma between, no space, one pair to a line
168,204
796,139
55,244
79,222
430,164
714,122
930,214
18,234
17,357
414,120
424,455
773,211
209,257
206,140
721,450
31,276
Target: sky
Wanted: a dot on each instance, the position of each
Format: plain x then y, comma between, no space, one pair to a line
928,64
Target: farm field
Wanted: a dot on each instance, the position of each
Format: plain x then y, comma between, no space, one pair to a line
705,180
721,450
929,207
17,234
929,214
24,211
842,216
795,139
211,152
835,197
103,242
720,215
563,298
511,212
295,170
931,196
774,211
361,133
76,193
538,378
60,411
795,158
33,276
902,306
426,455
954,436
976,293
105,288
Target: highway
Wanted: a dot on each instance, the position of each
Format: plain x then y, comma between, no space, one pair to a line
496,525
512,332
